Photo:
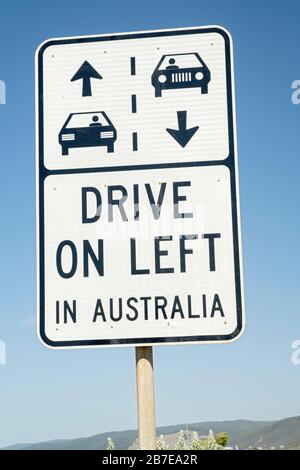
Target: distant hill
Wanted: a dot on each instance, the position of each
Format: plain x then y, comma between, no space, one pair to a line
285,432
242,433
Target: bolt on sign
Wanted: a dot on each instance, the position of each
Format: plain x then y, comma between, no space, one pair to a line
138,202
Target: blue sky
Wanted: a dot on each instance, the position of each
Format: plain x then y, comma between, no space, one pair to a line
48,394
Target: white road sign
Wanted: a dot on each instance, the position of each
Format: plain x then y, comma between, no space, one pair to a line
138,206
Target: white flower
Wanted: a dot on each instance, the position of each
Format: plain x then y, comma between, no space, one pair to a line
110,444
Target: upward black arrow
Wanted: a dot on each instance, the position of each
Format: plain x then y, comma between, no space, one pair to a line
85,73
182,135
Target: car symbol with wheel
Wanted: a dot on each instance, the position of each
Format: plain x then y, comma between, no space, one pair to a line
88,129
177,71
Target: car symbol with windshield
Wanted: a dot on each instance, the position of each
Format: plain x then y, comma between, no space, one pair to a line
177,71
88,129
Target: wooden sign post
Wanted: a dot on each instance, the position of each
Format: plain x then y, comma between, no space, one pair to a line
145,397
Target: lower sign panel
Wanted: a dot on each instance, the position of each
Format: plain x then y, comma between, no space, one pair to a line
140,257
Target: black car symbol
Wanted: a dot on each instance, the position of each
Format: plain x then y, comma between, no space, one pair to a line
176,71
88,129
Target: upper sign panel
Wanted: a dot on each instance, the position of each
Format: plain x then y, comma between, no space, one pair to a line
123,100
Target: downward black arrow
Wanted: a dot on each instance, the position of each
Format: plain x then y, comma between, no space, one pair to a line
182,135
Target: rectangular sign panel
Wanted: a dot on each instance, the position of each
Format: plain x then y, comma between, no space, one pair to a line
138,207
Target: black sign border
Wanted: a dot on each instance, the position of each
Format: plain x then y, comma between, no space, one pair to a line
229,162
